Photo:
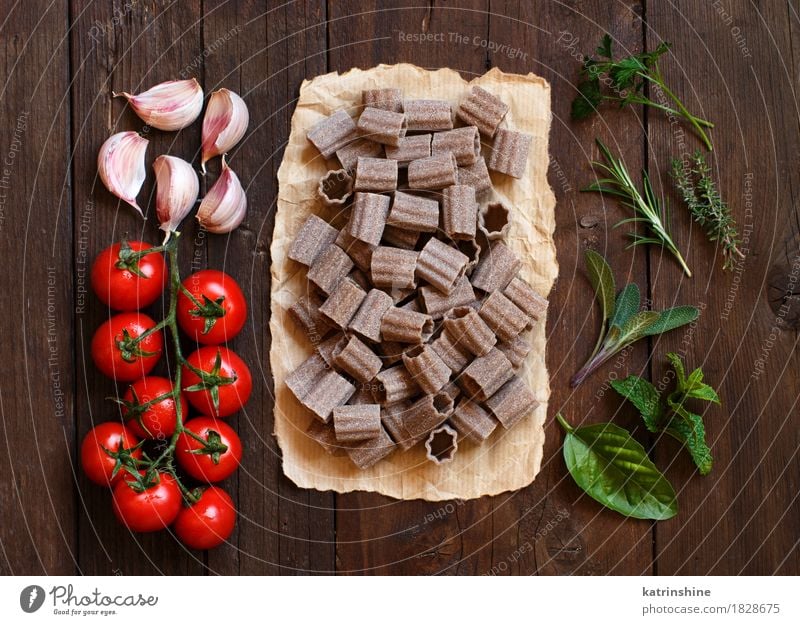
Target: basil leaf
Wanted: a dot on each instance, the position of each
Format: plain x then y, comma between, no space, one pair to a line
644,396
612,468
603,282
673,318
627,304
688,428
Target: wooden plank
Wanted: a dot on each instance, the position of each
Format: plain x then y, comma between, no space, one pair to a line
744,517
37,505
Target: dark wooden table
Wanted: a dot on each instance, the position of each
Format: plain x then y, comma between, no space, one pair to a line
736,63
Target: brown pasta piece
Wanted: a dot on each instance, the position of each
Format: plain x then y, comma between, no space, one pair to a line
318,387
330,268
392,417
413,212
313,238
348,155
405,326
382,126
392,351
496,268
516,350
501,314
513,401
494,220
467,329
332,133
484,375
367,321
368,218
358,251
472,251
356,423
476,175
427,413
427,369
459,212
305,311
301,380
323,434
410,149
343,303
441,265
509,154
335,188
464,143
367,453
352,356
385,99
454,355
397,237
395,384
472,421
441,445
325,348
393,267
436,304
523,295
360,278
433,172
482,109
428,115
375,174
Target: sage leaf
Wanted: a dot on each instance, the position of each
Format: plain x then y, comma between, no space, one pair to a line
602,280
626,306
673,318
644,396
637,326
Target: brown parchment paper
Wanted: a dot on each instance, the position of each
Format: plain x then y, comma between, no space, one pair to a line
509,459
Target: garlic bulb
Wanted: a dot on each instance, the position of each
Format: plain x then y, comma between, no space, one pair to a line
120,164
170,105
224,206
224,124
177,188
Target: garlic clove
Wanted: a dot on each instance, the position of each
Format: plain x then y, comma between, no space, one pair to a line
177,188
224,124
120,163
170,105
224,206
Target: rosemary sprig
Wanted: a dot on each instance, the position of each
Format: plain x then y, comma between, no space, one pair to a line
646,206
707,207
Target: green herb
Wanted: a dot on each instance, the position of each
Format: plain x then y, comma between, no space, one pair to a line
626,80
706,205
674,418
612,468
623,323
647,208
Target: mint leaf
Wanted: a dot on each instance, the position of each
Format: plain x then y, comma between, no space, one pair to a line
644,396
688,428
677,364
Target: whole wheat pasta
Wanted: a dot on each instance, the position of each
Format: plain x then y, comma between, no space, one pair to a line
482,109
441,265
484,375
516,350
352,356
496,268
476,175
472,421
329,391
356,423
335,188
392,351
452,390
358,251
393,267
375,174
410,149
397,237
366,453
467,329
363,395
323,434
343,303
395,384
528,300
305,311
330,268
459,212
454,355
470,249
436,304
385,99
414,213
428,115
494,220
392,418
325,348
425,414
513,401
509,154
360,278
314,237
411,304
501,314
368,217
405,326
382,126
301,380
464,143
441,445
367,321
331,133
427,369
433,172
348,154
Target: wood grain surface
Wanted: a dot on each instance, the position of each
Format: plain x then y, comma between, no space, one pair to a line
736,63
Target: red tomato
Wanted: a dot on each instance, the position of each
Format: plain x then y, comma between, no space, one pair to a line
115,353
148,510
221,452
99,465
128,284
157,420
222,311
228,374
207,523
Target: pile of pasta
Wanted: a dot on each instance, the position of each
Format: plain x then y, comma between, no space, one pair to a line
414,306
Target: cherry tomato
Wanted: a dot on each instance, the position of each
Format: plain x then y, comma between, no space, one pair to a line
150,509
207,523
128,284
157,420
115,353
219,455
222,309
229,377
97,464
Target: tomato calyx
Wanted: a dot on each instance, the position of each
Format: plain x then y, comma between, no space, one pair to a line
210,380
209,310
128,259
128,346
212,445
124,459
